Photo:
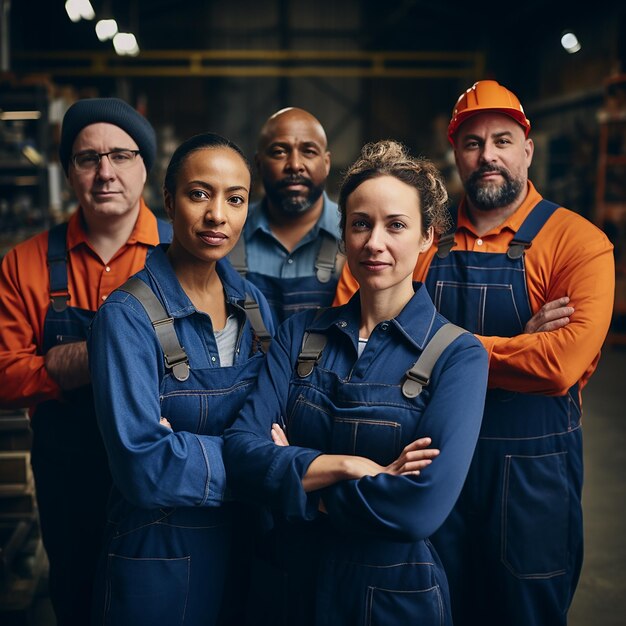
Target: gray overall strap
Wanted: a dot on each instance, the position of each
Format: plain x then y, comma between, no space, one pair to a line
175,356
253,313
313,345
237,257
312,348
533,223
326,258
419,375
445,244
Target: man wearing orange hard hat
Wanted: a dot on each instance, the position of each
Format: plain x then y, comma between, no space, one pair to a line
535,282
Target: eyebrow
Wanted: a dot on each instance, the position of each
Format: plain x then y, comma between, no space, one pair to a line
387,217
502,133
206,185
287,144
111,150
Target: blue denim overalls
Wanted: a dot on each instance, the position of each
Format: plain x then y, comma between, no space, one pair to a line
512,547
182,564
287,296
69,462
369,560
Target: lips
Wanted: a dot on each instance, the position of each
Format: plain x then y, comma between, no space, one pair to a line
374,266
488,173
295,184
213,238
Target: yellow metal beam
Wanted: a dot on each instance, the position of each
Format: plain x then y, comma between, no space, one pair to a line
268,63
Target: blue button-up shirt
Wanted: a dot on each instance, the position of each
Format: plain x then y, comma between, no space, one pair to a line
266,255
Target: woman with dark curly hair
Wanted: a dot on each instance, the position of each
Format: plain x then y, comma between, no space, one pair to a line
361,391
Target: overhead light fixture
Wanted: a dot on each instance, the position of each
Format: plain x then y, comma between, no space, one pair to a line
106,29
79,10
570,42
125,44
19,115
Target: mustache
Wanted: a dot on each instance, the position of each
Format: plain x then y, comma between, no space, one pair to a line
294,180
485,169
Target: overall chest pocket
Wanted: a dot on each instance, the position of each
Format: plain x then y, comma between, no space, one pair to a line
360,431
204,410
483,308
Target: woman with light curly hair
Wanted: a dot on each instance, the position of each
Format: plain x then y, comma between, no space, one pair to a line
364,420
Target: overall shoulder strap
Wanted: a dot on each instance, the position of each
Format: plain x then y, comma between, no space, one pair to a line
446,241
313,345
419,375
57,267
530,227
326,257
175,356
237,257
253,313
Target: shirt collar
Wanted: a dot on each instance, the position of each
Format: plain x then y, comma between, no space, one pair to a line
175,300
512,223
415,321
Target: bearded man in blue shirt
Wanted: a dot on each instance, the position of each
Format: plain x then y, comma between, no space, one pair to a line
290,245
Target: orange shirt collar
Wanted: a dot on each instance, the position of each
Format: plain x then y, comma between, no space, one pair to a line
145,230
512,223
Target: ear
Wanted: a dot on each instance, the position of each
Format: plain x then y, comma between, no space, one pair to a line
427,240
529,149
168,201
327,162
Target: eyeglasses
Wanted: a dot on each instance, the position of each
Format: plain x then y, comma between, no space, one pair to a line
89,160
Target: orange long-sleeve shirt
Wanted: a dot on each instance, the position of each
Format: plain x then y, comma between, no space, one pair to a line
25,298
568,257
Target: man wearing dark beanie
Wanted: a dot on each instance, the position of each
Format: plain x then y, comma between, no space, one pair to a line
50,288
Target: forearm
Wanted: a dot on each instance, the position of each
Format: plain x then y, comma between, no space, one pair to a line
68,365
550,363
328,469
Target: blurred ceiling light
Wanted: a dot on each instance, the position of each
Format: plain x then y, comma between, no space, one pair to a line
106,29
570,42
79,10
125,44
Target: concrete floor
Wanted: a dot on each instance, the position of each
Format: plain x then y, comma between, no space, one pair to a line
601,596
600,599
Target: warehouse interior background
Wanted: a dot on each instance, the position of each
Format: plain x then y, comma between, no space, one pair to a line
368,70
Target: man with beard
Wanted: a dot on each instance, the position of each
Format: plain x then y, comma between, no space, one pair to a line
508,270
290,244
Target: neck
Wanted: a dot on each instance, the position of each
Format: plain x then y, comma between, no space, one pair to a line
107,234
380,305
192,273
290,229
201,283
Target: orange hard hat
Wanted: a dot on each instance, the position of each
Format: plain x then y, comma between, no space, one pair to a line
486,95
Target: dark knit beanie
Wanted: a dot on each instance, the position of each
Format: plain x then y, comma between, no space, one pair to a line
112,111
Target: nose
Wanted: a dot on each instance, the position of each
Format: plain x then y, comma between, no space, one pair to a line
215,212
105,170
294,162
375,241
488,153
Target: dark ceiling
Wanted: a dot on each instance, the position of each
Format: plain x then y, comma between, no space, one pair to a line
384,25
